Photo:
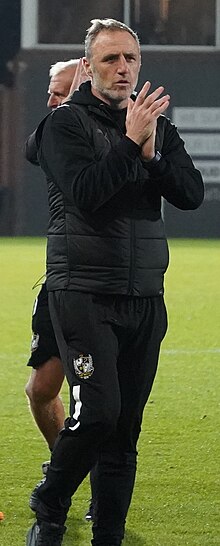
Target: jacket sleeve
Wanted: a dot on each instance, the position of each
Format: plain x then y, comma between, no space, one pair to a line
69,159
32,143
31,149
178,181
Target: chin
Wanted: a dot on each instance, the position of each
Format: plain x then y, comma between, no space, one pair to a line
120,95
115,97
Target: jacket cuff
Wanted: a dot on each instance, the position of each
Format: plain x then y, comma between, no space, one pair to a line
156,169
129,147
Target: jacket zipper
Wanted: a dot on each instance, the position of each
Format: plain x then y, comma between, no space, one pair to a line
132,257
132,228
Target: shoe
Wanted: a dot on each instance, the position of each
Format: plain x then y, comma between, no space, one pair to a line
45,534
33,501
89,515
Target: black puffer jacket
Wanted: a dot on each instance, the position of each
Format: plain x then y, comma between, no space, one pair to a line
106,233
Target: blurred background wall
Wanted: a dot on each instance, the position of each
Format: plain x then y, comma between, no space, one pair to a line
180,50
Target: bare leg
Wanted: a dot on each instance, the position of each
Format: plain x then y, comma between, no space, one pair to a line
46,406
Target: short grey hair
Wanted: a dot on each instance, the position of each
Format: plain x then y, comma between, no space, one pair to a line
105,24
61,66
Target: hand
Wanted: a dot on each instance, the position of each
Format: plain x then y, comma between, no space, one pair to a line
80,76
143,113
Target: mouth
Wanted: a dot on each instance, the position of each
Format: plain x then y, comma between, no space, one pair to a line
123,83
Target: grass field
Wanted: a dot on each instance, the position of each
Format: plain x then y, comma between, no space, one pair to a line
177,495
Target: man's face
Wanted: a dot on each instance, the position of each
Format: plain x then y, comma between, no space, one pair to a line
114,66
59,87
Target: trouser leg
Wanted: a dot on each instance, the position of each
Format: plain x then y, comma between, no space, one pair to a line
137,365
93,486
72,458
94,403
115,481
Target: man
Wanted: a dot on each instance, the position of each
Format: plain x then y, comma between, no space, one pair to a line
108,160
47,374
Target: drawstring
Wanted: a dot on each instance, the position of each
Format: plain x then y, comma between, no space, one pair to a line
38,283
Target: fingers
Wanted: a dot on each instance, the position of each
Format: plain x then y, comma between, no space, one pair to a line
79,76
150,99
160,104
142,94
153,99
143,113
130,105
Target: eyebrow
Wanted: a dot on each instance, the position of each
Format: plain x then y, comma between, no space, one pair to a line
55,93
116,55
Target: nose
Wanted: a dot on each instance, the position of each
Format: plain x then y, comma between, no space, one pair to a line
122,65
53,101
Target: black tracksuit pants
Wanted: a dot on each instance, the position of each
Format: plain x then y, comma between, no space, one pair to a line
110,348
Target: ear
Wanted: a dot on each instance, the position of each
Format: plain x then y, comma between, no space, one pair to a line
87,67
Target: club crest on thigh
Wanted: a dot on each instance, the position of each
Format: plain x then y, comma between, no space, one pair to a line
83,366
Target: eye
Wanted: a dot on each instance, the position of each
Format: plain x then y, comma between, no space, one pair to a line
111,59
130,58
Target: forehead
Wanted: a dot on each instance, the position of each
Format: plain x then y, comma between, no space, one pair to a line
114,41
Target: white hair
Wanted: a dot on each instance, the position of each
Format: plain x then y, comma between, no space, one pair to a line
61,66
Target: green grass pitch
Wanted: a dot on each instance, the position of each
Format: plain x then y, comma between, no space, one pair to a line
177,494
